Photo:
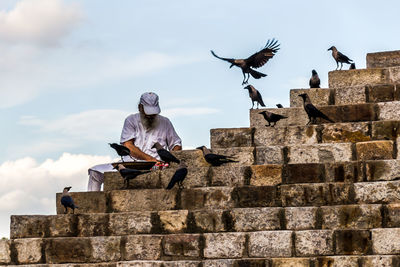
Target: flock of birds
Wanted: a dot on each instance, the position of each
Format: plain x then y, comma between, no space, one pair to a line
248,67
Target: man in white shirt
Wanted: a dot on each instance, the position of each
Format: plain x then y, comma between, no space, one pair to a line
140,132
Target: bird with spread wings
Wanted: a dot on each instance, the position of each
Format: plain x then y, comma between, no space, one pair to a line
256,60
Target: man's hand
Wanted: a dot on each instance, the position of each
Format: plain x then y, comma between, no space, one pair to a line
137,153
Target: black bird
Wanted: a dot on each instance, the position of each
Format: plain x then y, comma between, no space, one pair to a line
339,57
312,112
164,154
67,201
178,176
215,159
271,117
128,174
314,80
256,60
352,66
121,150
279,105
255,96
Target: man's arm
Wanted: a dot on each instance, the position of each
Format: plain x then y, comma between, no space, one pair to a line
137,153
177,148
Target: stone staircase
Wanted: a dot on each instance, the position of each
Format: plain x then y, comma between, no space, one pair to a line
301,195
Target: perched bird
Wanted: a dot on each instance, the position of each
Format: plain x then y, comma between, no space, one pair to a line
256,60
164,154
67,201
121,150
314,80
271,117
352,66
178,176
255,95
128,174
339,57
312,112
279,105
215,159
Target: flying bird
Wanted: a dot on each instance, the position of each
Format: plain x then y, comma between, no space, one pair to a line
255,96
312,112
352,66
339,57
67,201
164,154
121,150
215,159
256,60
178,176
314,80
279,105
271,117
128,174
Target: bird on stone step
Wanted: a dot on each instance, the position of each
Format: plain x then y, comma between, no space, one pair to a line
256,60
339,57
279,105
255,96
271,117
121,150
215,159
314,80
164,154
352,66
67,201
179,176
128,174
312,112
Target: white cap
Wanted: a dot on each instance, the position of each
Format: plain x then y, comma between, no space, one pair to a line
149,101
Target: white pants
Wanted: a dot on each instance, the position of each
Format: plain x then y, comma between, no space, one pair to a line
96,176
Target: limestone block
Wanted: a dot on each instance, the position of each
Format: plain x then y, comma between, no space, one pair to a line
374,150
301,218
338,261
196,177
319,96
88,202
173,221
5,252
208,197
235,263
385,130
350,95
106,248
244,155
254,196
93,224
224,245
351,217
304,134
382,170
232,137
227,175
386,241
353,242
389,110
218,263
143,247
114,181
304,173
380,261
68,249
209,220
270,174
320,153
130,223
346,132
304,195
291,262
29,250
296,116
141,263
344,172
270,244
340,194
25,226
377,192
359,77
142,200
269,155
256,219
351,113
180,263
392,215
383,59
183,245
62,225
394,74
380,93
191,157
314,242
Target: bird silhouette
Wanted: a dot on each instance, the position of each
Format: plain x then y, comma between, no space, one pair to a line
279,105
339,57
271,117
215,159
67,201
352,66
128,174
121,150
164,154
179,176
312,112
314,80
254,95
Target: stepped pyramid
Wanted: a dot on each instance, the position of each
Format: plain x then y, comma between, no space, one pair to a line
301,195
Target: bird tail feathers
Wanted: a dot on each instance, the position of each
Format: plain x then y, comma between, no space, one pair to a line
256,74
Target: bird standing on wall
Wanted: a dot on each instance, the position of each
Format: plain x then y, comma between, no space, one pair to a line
339,57
164,154
352,66
279,105
271,117
256,60
314,80
312,112
128,174
215,159
178,176
67,201
255,96
121,150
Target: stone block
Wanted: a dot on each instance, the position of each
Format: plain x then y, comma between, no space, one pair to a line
88,202
231,137
386,241
296,116
262,175
353,242
5,251
28,226
192,157
106,248
380,93
114,181
320,153
141,263
205,198
394,74
62,225
304,173
383,59
377,192
93,224
314,242
269,155
291,262
338,261
374,150
244,155
385,130
29,250
359,77
227,175
235,263
319,96
173,221
270,244
184,263
351,113
380,261
392,215
224,245
304,195
143,247
301,218
209,220
288,135
346,132
254,196
389,111
131,223
348,172
350,95
256,219
183,245
68,249
382,170
196,177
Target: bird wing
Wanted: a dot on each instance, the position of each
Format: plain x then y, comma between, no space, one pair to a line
131,173
261,57
179,175
120,149
67,201
276,117
314,112
231,60
342,57
260,100
166,156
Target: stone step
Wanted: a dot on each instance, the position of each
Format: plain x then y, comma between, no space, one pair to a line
230,245
361,77
383,59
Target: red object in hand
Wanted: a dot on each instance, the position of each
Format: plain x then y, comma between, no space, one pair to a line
160,166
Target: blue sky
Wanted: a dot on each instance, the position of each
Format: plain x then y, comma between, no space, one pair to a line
71,71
